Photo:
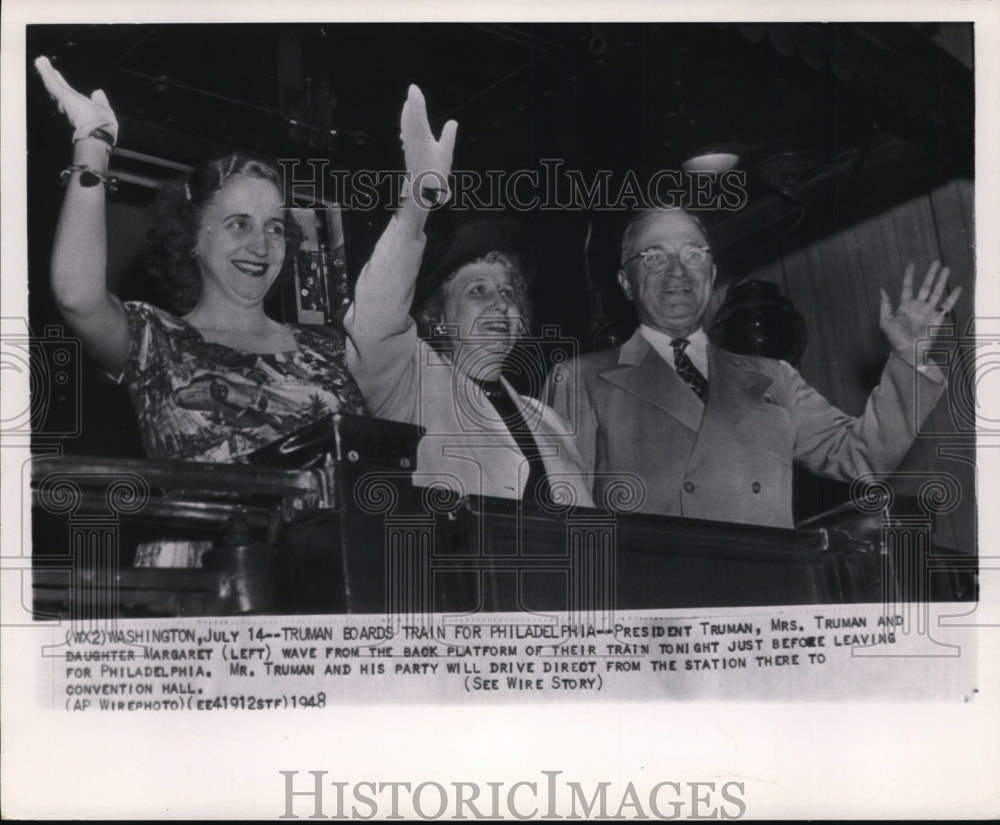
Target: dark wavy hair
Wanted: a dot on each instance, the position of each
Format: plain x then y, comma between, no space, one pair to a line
176,215
429,314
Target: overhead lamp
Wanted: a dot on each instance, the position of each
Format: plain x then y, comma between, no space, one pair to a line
711,160
708,138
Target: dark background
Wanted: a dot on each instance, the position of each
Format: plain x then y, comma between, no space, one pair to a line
856,140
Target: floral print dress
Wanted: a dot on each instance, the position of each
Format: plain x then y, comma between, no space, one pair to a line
201,401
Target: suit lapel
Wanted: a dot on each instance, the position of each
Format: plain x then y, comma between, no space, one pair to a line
734,388
559,454
643,373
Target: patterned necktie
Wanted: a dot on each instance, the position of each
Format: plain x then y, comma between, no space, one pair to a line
687,370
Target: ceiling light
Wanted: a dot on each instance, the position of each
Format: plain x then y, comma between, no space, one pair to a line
711,161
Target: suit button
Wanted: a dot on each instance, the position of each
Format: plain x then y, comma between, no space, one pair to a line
688,487
755,487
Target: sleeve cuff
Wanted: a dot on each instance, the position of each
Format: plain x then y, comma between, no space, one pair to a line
929,370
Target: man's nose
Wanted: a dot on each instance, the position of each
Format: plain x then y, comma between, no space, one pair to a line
674,267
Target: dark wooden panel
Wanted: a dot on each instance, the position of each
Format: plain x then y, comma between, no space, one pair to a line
954,214
835,284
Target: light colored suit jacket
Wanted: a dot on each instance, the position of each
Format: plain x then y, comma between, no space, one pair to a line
728,459
466,447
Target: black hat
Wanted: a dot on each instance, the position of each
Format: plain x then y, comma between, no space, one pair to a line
471,241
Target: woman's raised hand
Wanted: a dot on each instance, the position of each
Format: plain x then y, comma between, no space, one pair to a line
428,161
85,114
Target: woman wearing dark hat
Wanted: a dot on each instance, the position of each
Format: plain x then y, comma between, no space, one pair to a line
443,371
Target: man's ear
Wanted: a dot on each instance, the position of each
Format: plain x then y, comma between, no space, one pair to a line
715,271
623,282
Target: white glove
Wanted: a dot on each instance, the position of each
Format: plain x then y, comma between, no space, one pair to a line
428,161
85,114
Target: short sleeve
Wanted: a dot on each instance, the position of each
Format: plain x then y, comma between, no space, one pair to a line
139,315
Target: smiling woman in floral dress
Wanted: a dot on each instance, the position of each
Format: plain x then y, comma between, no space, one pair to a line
220,379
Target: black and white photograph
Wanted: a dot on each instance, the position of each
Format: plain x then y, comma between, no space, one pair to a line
613,372
815,182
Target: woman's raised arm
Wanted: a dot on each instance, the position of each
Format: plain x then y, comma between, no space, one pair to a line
79,255
381,336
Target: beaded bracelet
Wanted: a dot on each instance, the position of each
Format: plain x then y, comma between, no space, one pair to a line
89,177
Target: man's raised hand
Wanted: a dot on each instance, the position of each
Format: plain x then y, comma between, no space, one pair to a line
911,320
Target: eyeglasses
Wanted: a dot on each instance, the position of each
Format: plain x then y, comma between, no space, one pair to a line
656,257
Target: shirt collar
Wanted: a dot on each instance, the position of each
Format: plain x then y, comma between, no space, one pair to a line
698,338
697,349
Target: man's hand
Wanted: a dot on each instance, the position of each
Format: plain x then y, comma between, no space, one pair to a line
428,161
909,322
85,114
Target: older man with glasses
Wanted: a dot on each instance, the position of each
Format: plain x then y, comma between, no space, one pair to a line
713,435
